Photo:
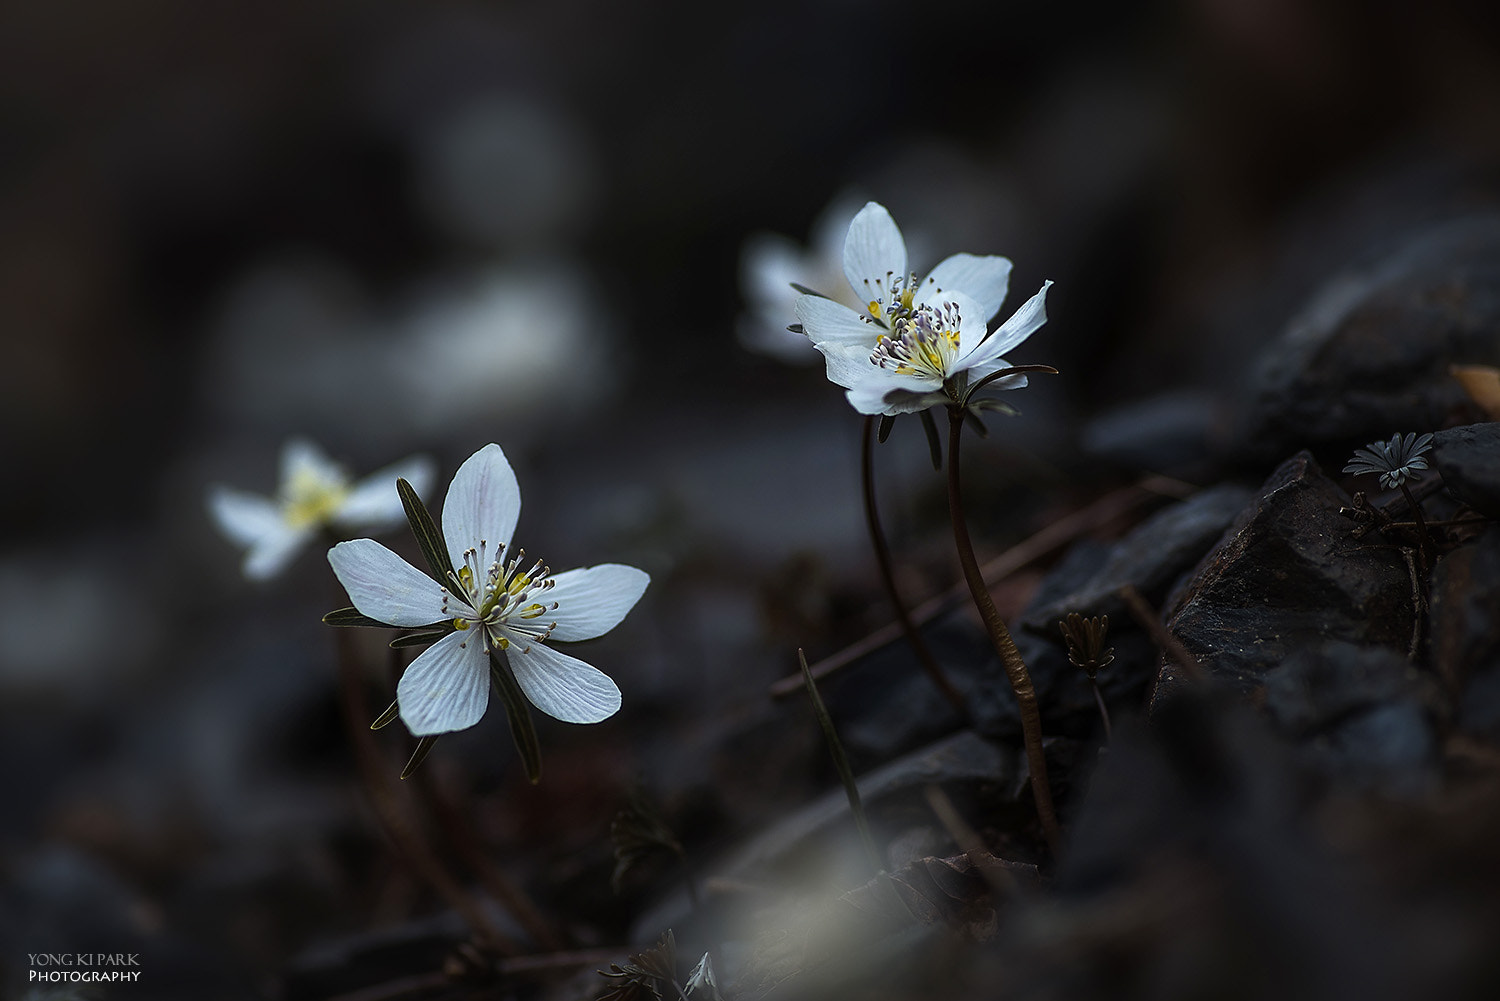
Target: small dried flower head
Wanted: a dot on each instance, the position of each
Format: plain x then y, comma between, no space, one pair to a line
643,975
1085,639
1396,461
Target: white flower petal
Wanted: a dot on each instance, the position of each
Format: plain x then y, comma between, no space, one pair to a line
483,504
868,395
374,502
563,687
385,587
873,251
1022,324
448,687
983,279
592,600
303,458
849,365
244,518
271,554
972,329
824,320
989,368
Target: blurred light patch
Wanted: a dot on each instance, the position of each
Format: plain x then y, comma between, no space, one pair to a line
71,620
300,345
504,342
506,172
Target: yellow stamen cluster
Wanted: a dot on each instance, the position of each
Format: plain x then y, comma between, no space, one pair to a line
890,298
501,596
924,342
308,500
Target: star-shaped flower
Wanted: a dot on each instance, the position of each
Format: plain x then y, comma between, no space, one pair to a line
917,342
492,599
1396,460
315,494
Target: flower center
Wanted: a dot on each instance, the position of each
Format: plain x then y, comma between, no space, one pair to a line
501,596
923,342
309,499
890,299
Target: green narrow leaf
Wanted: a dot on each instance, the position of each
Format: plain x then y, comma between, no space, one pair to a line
840,763
419,638
934,443
424,747
976,423
387,717
517,713
796,328
434,549
352,617
887,421
806,291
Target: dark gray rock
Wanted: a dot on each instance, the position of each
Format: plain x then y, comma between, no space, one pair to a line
1364,716
1150,558
1463,642
1370,352
1469,460
1287,575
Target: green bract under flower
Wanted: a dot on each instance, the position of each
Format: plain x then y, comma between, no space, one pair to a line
492,599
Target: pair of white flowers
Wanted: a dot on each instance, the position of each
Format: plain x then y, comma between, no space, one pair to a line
493,598
916,342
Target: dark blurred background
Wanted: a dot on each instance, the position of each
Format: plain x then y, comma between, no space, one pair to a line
402,228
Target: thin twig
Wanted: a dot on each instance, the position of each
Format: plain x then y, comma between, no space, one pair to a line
883,560
1005,647
1169,644
1039,545
1001,880
1418,603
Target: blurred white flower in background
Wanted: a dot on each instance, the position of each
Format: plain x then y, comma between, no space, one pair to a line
315,494
770,263
491,599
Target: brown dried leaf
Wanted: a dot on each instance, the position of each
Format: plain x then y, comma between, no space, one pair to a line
1482,383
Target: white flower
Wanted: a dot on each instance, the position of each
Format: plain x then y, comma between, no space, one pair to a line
492,599
315,493
769,266
915,337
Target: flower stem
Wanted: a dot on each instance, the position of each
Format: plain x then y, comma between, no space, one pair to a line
1010,657
883,559
1103,710
1416,514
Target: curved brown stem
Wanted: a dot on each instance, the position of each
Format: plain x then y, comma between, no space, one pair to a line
1010,657
883,558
